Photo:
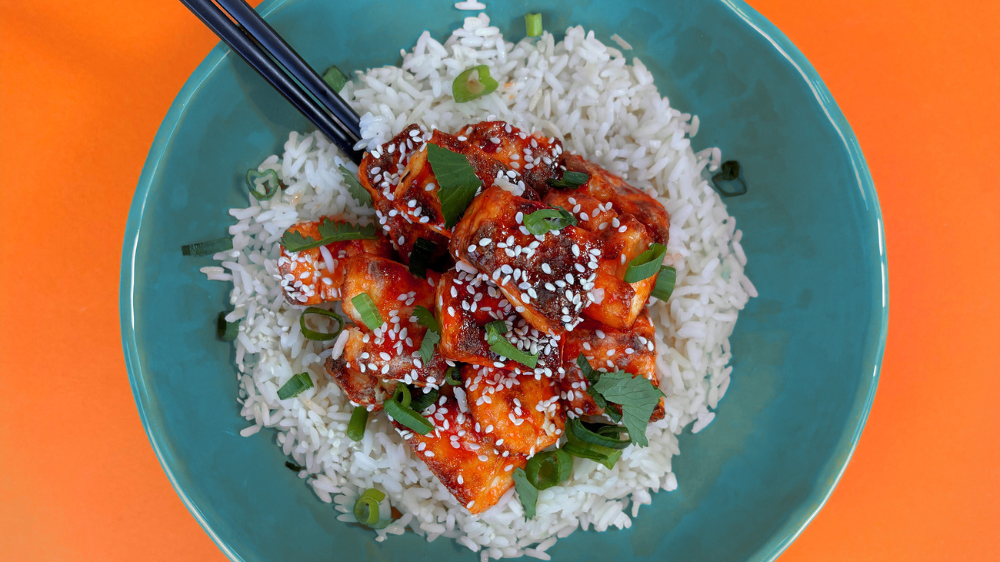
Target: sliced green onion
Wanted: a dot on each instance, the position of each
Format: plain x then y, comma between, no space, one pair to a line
646,264
433,334
545,220
355,188
423,399
533,24
499,345
368,311
329,232
730,172
366,508
407,417
548,469
320,336
208,247
526,492
607,457
295,386
665,281
453,376
270,183
473,83
226,331
335,78
457,182
602,437
402,395
570,180
292,466
420,257
359,421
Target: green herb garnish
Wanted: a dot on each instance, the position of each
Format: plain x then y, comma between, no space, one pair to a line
665,282
433,334
473,83
423,399
548,469
368,311
533,24
366,508
598,434
359,421
499,345
295,386
270,183
544,220
292,466
453,376
398,408
354,187
329,232
570,180
335,78
637,397
646,264
320,336
730,172
420,256
208,247
226,331
457,182
526,492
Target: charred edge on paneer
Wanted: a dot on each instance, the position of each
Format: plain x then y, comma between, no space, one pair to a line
361,388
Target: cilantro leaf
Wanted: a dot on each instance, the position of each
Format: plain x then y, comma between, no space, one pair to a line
638,398
592,377
355,188
330,232
433,334
526,492
457,182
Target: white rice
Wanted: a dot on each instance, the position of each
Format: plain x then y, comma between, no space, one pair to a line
583,92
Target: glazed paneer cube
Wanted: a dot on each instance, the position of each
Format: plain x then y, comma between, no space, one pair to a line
466,461
607,349
466,303
534,157
317,275
546,277
390,351
363,389
609,188
623,238
522,411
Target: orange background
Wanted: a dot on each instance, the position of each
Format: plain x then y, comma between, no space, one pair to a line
84,86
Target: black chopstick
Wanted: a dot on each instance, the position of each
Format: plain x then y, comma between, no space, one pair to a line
243,45
264,34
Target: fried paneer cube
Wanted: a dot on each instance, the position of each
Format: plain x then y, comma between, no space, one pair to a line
534,157
363,389
392,349
466,303
317,275
547,277
609,188
522,411
607,349
622,238
466,461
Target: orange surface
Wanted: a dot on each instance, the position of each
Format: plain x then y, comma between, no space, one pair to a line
84,86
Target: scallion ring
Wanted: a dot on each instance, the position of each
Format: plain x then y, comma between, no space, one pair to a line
335,78
533,24
423,399
646,264
407,417
548,469
579,431
499,345
453,376
268,179
320,336
402,395
368,311
473,83
544,220
359,421
226,331
295,386
208,247
730,172
366,508
665,281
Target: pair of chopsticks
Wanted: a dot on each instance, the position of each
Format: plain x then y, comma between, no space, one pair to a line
265,51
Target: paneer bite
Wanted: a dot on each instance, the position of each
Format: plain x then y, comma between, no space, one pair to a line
466,303
466,461
609,188
392,349
546,277
607,349
317,275
534,157
522,411
363,389
622,238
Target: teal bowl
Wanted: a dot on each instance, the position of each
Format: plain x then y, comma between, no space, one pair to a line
806,352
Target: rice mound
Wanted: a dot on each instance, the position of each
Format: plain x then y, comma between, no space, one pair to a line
609,111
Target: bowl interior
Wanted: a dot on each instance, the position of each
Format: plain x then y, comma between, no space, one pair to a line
806,352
